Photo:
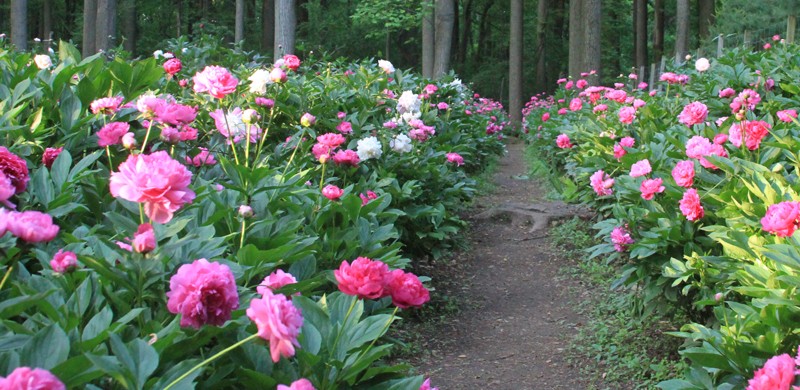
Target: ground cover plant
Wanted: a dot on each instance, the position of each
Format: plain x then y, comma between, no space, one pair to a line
696,183
173,222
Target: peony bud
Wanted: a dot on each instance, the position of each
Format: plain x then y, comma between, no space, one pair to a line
245,211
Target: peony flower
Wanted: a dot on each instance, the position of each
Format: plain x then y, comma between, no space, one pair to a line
26,378
627,114
31,226
368,148
776,374
787,115
300,384
172,66
400,143
581,84
15,169
386,66
562,111
50,155
575,104
144,240
63,262
231,125
259,81
275,281
702,64
442,106
156,180
683,173
727,92
202,158
216,81
455,158
332,192
278,321
175,114
277,75
650,187
202,293
345,127
621,238
292,62
690,205
545,117
308,120
693,113
427,385
364,278
346,157
781,218
641,168
111,134
720,138
368,197
408,103
563,142
42,61
107,106
331,140
406,289
602,183
698,146
7,190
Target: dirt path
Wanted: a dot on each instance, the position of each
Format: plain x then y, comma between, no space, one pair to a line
513,335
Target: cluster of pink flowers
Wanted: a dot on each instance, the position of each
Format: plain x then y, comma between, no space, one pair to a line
203,293
693,113
143,241
278,320
621,238
326,144
673,78
371,279
602,183
781,219
699,147
746,101
619,148
420,131
690,205
754,133
563,142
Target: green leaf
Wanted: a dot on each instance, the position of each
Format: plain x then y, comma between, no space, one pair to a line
46,349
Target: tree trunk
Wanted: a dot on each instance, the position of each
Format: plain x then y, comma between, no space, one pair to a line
427,39
19,24
47,21
682,30
238,33
89,24
466,32
128,24
515,64
105,24
576,38
592,15
267,25
456,33
705,18
285,27
483,31
541,25
444,37
179,18
640,36
658,30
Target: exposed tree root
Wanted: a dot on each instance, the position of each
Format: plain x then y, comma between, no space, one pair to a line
538,215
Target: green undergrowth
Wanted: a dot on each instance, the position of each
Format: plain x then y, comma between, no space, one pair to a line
540,170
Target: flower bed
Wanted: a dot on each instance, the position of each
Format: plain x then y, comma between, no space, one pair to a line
170,223
697,187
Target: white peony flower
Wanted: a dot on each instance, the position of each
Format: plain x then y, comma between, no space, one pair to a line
702,65
408,102
169,55
368,148
259,81
401,143
43,61
386,66
158,53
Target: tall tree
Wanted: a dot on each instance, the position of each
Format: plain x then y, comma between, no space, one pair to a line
466,31
47,19
682,30
541,25
428,36
515,64
705,17
640,33
238,30
128,24
592,15
444,36
89,23
658,30
19,24
106,24
576,38
267,24
285,28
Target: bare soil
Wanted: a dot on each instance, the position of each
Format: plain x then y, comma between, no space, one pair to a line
514,330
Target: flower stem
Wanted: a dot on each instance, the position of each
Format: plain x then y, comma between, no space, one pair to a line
299,140
230,140
385,327
110,164
5,277
241,238
209,360
147,135
141,214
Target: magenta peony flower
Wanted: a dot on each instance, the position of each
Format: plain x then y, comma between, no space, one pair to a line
650,187
368,197
562,111
202,293
627,114
50,155
106,106
275,281
621,238
781,219
627,142
15,169
427,384
64,261
602,183
144,240
111,134
683,173
216,81
787,115
690,205
776,374
31,226
364,278
278,321
331,140
616,95
300,384
693,113
727,92
156,180
345,127
455,158
575,104
173,66
346,157
720,138
264,102
641,168
442,106
291,61
321,152
545,117
175,114
406,289
563,142
332,192
581,84
202,158
26,378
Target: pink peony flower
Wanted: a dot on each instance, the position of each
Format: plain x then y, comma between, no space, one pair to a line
175,114
275,281
562,111
7,190
364,278
627,114
50,155
278,75
641,168
621,238
787,115
776,374
231,125
619,151
575,104
690,205
600,108
64,261
616,95
602,183
693,113
427,384
31,226
781,219
698,146
346,157
581,84
107,106
345,127
264,102
406,289
569,85
156,180
455,158
308,120
332,192
341,115
720,138
321,152
111,134
368,197
627,142
683,173
563,142
278,321
442,106
202,293
26,378
202,158
172,66
727,92
650,187
300,384
331,140
545,117
216,81
291,61
144,240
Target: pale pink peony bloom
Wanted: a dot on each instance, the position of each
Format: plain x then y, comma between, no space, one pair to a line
642,85
31,226
776,37
781,218
156,180
332,192
111,134
202,293
777,374
575,104
345,127
627,114
107,106
641,168
278,321
693,113
300,384
600,108
364,278
144,240
346,157
341,115
690,205
202,158
63,262
245,211
427,385
621,238
275,281
455,158
406,289
787,115
602,183
683,173
231,125
26,378
651,187
278,75
216,81
698,146
7,190
653,93
50,155
563,142
727,92
627,142
390,124
720,138
767,46
638,103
